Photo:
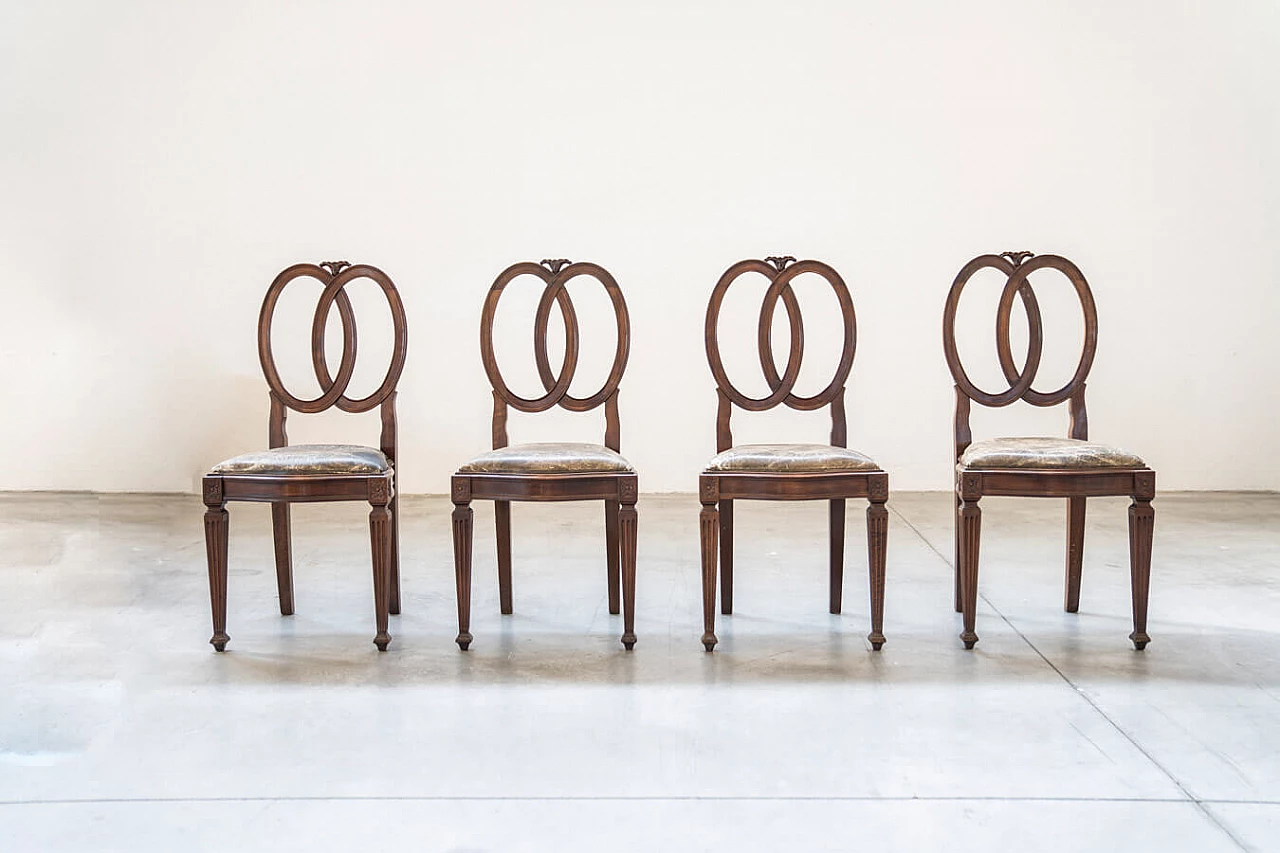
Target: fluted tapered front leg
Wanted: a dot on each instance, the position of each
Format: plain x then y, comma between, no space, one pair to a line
627,521
462,524
970,535
1142,520
709,528
380,543
877,552
216,523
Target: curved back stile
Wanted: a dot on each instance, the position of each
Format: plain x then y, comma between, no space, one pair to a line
1017,267
335,276
556,275
780,271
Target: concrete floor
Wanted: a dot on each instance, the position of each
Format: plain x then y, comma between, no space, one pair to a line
121,728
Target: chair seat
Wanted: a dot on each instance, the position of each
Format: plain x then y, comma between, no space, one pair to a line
308,459
549,458
1046,454
789,459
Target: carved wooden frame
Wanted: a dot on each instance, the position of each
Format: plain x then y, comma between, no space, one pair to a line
717,491
619,490
282,490
972,484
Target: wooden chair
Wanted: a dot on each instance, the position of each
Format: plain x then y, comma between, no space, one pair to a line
787,472
287,474
550,472
1072,468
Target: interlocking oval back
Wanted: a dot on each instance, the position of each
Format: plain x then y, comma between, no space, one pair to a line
781,271
1017,268
335,276
555,275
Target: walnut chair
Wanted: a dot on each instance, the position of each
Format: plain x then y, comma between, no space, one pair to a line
287,474
550,471
1073,468
787,472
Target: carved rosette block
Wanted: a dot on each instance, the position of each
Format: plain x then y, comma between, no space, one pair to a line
212,491
709,489
460,490
628,489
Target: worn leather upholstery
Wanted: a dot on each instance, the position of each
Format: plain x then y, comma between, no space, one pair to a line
549,458
1046,453
308,459
789,459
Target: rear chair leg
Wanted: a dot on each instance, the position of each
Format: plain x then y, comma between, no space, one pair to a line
284,556
502,521
394,605
613,556
1075,553
837,555
726,557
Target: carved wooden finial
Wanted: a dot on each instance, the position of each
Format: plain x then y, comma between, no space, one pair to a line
555,264
334,267
1016,258
780,262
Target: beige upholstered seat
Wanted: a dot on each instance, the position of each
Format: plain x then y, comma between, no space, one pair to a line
549,458
789,459
1046,453
308,459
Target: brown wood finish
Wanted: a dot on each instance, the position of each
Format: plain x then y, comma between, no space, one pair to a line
718,491
618,491
972,484
379,490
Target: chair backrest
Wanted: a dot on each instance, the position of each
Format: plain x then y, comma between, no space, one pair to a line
556,274
335,276
780,271
1017,266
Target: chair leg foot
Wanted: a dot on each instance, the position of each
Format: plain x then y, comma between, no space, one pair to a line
382,641
969,639
709,641
219,641
877,640
1140,640
464,641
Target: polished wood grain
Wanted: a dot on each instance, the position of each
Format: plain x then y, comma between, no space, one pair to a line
618,491
719,490
1076,485
280,490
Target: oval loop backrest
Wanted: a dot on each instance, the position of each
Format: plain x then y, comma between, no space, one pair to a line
1017,267
555,275
781,271
335,276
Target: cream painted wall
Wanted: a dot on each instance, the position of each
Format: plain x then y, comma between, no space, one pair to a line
160,162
